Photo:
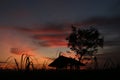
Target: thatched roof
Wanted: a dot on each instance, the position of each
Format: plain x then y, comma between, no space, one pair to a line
62,61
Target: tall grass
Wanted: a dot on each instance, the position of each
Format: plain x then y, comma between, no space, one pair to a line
26,62
17,65
109,64
7,62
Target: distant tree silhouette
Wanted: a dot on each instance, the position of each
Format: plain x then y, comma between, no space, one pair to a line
85,41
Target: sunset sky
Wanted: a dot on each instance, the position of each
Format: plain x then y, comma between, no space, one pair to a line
41,26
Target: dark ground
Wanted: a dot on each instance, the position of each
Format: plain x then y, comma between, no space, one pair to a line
60,74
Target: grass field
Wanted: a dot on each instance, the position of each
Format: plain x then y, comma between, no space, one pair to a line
25,70
60,74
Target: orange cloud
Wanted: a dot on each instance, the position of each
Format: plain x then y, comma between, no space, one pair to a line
53,40
50,37
53,44
7,27
20,51
44,31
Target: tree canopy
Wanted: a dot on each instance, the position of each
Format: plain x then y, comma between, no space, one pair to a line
85,41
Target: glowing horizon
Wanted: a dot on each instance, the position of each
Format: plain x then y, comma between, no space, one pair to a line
42,26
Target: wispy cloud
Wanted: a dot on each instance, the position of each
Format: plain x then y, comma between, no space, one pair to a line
54,34
50,37
52,40
53,43
101,21
46,29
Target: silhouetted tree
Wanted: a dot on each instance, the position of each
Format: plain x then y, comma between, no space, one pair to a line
85,41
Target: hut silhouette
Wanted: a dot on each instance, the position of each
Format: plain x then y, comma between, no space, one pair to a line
63,62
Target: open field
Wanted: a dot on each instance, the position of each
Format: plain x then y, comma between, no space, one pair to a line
26,70
60,74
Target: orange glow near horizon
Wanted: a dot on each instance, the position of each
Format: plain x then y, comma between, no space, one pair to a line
39,62
42,46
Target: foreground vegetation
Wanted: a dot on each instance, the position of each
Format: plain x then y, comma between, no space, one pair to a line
26,70
43,74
